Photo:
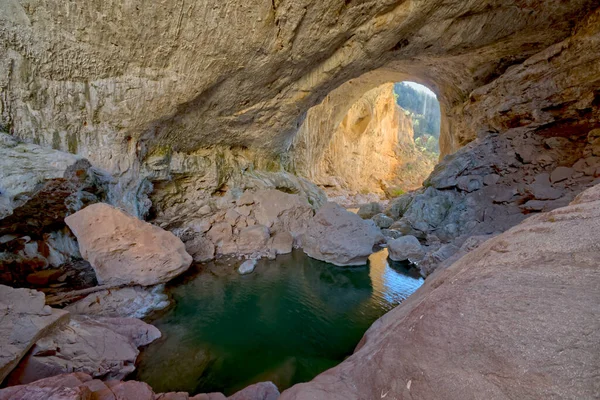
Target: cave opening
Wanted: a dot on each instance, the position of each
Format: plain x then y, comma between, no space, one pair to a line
370,143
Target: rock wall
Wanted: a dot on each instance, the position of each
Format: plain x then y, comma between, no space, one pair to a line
112,81
360,150
493,325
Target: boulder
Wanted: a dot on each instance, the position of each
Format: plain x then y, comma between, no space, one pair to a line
340,237
258,391
102,347
282,243
200,248
25,319
516,318
406,248
369,210
247,267
125,250
127,302
383,221
82,386
253,238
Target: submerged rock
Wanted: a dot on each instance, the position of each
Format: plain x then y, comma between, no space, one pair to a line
247,267
125,250
340,237
24,319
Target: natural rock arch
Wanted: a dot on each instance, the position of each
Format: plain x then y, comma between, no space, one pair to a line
186,76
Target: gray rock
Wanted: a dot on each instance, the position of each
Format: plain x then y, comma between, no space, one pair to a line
383,221
247,267
369,210
340,237
561,174
406,248
469,183
399,205
391,233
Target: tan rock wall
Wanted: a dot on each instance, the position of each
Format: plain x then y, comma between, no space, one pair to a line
112,80
363,151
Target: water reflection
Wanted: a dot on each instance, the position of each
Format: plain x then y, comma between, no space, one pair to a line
287,322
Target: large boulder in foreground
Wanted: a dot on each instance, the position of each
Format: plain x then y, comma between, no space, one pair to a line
340,237
516,318
125,250
105,348
24,319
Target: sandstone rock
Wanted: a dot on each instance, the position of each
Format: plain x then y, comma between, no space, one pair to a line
78,386
200,248
258,391
281,211
247,267
501,298
368,211
406,248
340,237
359,144
560,174
128,302
124,250
383,221
282,243
103,347
25,319
253,238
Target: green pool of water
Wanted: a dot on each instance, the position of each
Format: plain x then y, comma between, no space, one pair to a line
290,320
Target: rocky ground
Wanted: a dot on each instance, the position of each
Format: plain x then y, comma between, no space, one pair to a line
185,116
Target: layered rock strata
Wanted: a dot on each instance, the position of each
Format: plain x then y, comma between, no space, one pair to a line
491,185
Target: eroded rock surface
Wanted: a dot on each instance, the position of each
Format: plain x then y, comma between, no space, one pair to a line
81,386
105,348
515,318
491,185
127,302
360,147
340,237
125,250
25,319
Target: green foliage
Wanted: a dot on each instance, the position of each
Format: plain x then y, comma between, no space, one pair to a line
397,192
424,109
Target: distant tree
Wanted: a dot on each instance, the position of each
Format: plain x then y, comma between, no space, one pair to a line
424,110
